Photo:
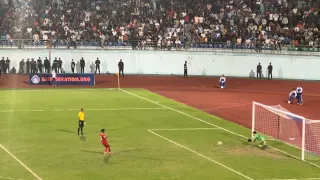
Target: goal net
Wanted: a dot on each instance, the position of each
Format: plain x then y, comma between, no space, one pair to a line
277,123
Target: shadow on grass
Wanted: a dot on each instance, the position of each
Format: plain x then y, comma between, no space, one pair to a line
92,152
82,138
147,158
127,153
67,131
129,150
106,159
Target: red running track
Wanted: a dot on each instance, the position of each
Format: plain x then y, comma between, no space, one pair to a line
233,103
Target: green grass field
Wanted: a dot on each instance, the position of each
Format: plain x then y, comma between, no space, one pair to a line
152,138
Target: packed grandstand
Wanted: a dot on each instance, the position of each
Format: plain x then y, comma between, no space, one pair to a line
259,24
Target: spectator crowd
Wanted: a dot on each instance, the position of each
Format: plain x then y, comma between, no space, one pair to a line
162,23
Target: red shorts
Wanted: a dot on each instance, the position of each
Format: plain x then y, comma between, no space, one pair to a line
105,144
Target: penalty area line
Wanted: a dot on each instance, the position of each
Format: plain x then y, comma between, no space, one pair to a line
10,178
203,156
20,162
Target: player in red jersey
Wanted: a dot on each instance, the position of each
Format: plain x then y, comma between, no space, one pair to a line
105,143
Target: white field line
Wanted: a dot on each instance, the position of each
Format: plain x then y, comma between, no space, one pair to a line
183,129
107,109
203,156
10,178
21,163
201,120
223,107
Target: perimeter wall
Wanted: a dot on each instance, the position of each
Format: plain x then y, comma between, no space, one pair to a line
171,62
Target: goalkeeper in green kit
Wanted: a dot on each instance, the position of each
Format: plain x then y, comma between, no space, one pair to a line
259,138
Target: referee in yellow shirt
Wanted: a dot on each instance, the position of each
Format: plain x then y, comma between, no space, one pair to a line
81,121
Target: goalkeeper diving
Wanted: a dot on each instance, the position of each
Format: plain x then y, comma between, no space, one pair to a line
257,137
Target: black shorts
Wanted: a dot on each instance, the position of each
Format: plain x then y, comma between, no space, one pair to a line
81,123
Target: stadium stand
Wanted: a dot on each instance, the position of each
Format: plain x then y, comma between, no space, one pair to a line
162,24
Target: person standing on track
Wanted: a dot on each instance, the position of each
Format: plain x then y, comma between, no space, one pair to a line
73,65
33,66
185,67
97,66
55,65
21,66
299,94
40,66
222,82
121,67
259,71
3,65
59,66
7,66
82,65
28,64
270,68
46,64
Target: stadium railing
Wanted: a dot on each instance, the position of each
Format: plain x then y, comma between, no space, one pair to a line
194,46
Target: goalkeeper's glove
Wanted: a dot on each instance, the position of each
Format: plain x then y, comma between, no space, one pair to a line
249,140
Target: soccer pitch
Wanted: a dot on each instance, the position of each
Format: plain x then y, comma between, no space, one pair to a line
151,137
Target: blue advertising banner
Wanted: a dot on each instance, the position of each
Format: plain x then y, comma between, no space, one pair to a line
62,79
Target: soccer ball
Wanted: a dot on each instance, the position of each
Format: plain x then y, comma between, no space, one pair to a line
219,143
289,102
221,87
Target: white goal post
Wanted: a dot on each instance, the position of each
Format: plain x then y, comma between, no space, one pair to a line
277,123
